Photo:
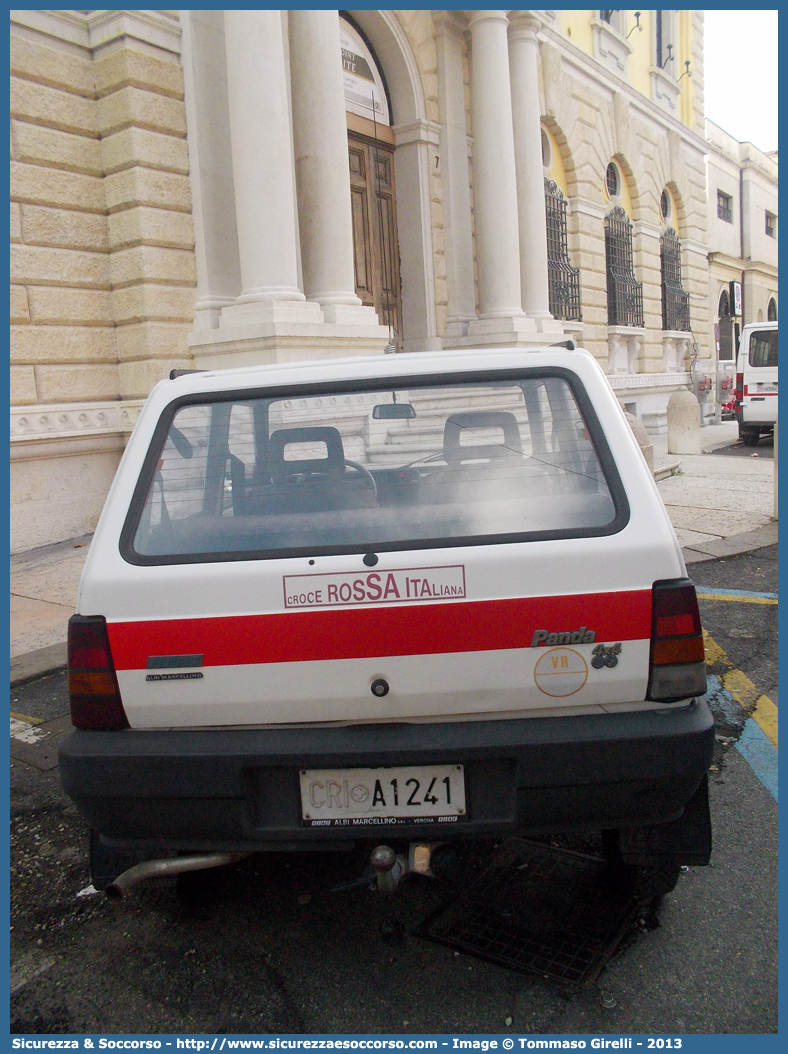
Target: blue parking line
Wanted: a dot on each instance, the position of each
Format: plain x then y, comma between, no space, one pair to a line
753,744
734,592
756,748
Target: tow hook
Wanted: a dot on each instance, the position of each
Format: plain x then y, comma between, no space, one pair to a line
386,868
432,859
389,868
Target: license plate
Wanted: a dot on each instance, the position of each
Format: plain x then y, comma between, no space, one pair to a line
366,797
764,387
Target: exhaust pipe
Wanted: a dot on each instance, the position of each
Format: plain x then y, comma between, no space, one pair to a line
159,868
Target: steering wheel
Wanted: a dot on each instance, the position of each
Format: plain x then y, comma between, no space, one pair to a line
367,479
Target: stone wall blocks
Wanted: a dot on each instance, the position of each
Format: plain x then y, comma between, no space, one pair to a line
15,227
155,303
28,485
53,108
44,522
20,312
152,340
132,106
145,186
48,186
138,378
62,344
23,385
42,265
152,263
76,382
75,307
146,226
53,67
137,146
64,227
130,68
56,149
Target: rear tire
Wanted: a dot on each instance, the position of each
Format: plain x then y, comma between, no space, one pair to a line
749,438
644,881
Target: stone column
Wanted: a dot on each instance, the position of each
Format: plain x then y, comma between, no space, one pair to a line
321,165
455,181
494,178
524,64
262,159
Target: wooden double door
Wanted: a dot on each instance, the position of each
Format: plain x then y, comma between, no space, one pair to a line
375,245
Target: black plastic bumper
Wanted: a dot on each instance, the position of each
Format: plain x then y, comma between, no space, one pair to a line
239,789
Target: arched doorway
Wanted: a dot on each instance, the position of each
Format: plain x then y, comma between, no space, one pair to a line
372,187
728,336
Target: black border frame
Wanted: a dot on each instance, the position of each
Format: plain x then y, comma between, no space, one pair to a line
607,463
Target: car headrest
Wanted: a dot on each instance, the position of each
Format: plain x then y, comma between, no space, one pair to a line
507,446
327,439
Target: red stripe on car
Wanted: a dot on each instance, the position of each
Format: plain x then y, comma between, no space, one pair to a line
361,633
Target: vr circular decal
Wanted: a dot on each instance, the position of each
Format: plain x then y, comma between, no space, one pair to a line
561,672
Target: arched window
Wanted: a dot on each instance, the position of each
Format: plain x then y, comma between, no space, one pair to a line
624,292
675,302
612,180
771,313
563,279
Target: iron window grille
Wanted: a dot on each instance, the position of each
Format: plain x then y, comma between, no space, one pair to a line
624,292
724,209
563,279
771,225
675,301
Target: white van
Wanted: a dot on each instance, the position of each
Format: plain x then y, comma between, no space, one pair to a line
756,381
410,599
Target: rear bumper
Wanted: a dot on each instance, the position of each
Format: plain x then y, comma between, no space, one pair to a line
239,789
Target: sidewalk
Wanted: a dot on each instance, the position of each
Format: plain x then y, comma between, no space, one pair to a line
719,505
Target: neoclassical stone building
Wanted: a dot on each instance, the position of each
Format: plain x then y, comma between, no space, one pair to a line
213,188
742,237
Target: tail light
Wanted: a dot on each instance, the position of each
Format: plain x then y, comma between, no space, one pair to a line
92,683
739,390
677,669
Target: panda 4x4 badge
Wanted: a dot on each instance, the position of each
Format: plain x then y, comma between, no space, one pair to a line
605,655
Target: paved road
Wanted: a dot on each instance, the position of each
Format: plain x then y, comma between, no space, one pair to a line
764,448
262,948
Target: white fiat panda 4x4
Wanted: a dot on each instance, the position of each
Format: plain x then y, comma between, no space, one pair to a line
409,599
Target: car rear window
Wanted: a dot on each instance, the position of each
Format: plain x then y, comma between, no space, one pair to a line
763,347
363,469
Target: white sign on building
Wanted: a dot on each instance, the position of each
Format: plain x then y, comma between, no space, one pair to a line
364,92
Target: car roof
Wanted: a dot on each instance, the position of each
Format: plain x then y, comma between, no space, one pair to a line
408,364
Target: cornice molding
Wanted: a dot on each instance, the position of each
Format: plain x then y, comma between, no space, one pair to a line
69,420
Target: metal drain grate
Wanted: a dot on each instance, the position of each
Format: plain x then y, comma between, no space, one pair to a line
549,913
